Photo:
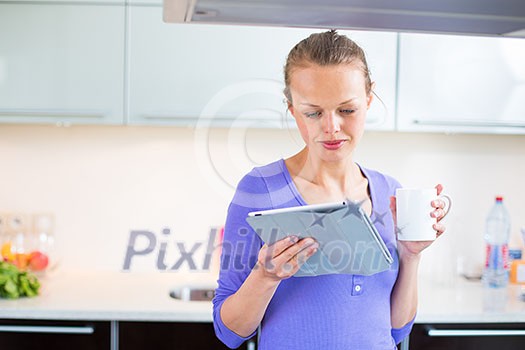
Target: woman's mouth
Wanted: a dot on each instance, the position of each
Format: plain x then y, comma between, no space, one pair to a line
333,145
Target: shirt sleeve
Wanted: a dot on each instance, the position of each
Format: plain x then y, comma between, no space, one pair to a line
240,249
401,333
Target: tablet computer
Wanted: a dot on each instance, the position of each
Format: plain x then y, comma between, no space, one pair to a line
348,241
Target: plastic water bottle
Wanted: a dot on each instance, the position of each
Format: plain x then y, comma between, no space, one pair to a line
497,232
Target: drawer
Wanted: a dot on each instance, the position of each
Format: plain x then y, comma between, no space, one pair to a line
54,335
473,336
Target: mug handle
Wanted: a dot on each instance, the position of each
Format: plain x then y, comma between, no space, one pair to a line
447,205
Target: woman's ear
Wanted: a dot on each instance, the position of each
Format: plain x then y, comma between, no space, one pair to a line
370,96
290,107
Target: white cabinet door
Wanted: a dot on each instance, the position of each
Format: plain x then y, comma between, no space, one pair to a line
461,84
61,63
195,74
118,2
156,3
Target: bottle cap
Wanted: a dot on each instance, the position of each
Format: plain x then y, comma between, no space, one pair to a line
499,198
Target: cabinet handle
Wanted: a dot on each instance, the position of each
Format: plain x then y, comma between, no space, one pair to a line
375,121
216,121
182,121
181,117
432,332
378,119
48,329
212,118
479,123
51,113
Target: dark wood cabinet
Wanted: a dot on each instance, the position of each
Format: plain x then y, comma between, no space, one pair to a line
169,335
54,335
22,334
474,336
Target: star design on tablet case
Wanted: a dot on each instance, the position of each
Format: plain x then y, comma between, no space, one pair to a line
352,208
399,230
318,220
379,218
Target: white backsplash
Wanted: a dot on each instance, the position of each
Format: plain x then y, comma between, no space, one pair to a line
103,182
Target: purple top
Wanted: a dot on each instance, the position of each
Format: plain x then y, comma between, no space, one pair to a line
336,311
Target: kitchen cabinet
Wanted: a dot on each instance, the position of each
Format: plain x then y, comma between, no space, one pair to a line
146,2
54,335
62,63
109,335
197,74
461,84
170,335
121,2
508,336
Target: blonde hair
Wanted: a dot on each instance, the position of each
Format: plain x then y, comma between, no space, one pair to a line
324,49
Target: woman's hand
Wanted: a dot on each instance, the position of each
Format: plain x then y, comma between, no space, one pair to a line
283,258
243,311
408,249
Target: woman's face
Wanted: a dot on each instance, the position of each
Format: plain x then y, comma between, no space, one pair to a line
329,106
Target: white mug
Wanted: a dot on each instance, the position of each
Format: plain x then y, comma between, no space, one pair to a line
413,206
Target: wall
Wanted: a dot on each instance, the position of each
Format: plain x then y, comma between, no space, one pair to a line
103,182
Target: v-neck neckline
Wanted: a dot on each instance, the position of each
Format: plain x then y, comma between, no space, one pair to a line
300,198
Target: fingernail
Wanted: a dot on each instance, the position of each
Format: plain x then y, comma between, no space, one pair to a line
293,239
312,252
309,241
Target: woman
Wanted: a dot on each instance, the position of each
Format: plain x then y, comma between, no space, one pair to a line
329,91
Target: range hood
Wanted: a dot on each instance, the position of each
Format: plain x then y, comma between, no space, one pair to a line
467,17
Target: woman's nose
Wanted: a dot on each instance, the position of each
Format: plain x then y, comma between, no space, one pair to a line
331,123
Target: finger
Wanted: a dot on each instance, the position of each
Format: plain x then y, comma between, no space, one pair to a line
292,252
438,214
305,254
437,203
289,253
268,252
440,229
294,264
439,188
264,259
276,248
288,269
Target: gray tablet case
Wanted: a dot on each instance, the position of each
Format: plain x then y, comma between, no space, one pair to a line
348,241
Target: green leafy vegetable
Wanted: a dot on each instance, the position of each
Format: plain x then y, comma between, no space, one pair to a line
15,283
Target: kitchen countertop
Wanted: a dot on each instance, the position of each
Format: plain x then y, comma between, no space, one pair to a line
90,295
463,301
102,295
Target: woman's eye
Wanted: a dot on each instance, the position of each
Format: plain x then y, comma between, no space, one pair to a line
313,114
347,111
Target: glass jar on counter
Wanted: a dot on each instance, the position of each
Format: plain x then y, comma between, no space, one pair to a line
14,242
28,241
43,240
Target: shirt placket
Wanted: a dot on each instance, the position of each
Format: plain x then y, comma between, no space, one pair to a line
357,285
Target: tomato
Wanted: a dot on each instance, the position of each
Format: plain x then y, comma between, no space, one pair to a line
38,261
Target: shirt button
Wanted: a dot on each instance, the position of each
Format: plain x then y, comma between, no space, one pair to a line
357,288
